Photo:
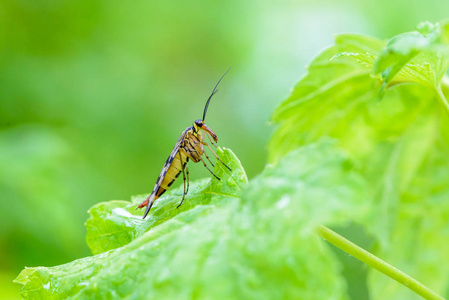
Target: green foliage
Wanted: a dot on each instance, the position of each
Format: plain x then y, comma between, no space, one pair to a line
114,224
416,57
338,157
259,245
85,87
401,143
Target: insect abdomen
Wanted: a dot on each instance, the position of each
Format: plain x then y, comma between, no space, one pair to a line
172,173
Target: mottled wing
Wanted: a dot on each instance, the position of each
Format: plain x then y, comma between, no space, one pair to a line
158,190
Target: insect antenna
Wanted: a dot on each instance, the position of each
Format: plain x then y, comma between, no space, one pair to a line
213,93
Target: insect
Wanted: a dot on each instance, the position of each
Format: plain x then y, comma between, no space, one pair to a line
190,146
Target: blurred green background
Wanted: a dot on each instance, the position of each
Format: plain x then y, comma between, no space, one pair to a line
94,94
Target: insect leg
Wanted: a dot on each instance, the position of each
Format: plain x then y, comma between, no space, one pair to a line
187,172
197,149
210,140
202,142
216,156
209,159
185,191
209,169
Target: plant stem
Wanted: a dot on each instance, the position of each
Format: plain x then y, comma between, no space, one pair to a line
375,262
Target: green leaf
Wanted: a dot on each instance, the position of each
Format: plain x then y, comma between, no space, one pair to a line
421,235
319,171
390,139
116,223
415,57
383,168
398,52
331,74
260,246
399,144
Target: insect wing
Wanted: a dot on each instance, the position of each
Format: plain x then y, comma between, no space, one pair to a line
163,172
